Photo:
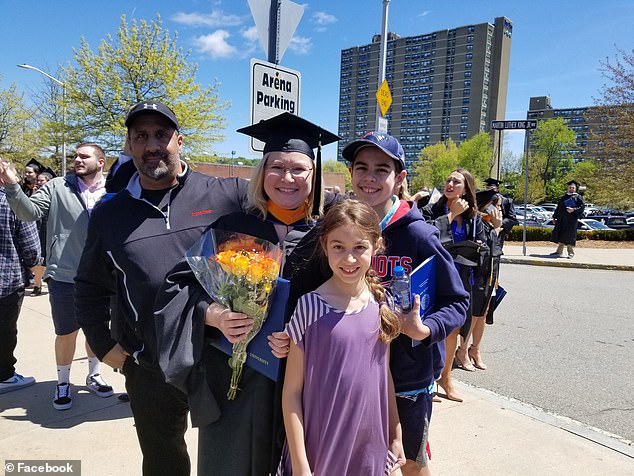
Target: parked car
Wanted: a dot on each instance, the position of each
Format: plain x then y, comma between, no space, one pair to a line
590,224
549,207
616,222
585,224
532,212
590,211
630,221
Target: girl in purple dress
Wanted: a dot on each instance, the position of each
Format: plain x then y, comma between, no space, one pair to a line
338,401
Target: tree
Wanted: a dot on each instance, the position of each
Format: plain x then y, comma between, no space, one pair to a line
476,155
16,137
434,164
615,112
143,62
549,156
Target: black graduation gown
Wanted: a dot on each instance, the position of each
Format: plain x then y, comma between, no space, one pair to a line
565,230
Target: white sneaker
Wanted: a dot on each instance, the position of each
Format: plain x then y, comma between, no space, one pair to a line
16,382
97,385
63,400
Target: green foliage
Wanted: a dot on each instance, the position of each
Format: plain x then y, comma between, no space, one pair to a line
550,159
434,165
535,233
142,62
476,155
612,184
338,166
16,134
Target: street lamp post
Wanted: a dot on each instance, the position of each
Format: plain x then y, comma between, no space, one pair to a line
233,154
63,85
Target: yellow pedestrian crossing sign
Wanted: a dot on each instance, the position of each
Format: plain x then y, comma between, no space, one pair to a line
384,97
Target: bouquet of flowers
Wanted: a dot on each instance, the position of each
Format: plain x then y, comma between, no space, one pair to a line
238,271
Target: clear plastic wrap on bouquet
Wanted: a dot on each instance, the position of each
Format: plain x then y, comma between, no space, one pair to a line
238,271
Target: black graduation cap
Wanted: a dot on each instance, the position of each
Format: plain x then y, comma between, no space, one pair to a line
49,171
35,163
573,182
287,132
492,182
485,196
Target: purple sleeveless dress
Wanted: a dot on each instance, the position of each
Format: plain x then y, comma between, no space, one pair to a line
345,396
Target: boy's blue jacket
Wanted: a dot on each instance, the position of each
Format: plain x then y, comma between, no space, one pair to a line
408,242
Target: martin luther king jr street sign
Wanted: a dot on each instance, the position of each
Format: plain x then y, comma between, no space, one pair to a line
503,125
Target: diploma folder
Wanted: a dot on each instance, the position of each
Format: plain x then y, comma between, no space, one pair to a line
423,282
570,202
259,355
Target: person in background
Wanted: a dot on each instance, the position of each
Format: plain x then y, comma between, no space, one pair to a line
31,171
19,250
455,214
134,239
490,209
509,219
377,168
66,202
566,216
38,270
286,201
340,336
121,171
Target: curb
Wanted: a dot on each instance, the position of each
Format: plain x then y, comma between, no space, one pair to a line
567,264
595,435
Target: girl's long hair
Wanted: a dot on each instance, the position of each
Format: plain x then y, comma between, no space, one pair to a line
469,193
355,213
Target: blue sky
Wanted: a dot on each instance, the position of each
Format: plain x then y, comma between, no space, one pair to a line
557,45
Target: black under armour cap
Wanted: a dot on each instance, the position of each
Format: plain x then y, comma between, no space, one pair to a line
287,132
145,107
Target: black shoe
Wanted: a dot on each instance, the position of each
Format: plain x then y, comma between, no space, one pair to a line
37,291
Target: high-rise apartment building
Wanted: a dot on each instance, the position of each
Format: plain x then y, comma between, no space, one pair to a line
449,84
585,122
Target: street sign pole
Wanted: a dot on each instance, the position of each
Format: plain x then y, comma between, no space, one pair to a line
526,125
274,32
380,123
526,139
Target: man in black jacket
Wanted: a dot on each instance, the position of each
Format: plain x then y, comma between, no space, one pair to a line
133,240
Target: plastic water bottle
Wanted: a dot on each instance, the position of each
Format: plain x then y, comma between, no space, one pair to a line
401,290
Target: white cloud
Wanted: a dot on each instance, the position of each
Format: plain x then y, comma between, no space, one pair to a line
215,18
215,45
424,14
323,18
300,45
251,34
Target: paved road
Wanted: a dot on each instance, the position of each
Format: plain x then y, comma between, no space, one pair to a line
563,340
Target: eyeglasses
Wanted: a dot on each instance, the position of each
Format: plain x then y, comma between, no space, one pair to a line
281,171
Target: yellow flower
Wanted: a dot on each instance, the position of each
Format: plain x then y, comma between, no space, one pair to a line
240,265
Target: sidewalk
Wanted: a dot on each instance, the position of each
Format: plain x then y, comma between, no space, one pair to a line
486,435
591,258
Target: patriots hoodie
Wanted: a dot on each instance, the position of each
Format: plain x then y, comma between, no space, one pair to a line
408,242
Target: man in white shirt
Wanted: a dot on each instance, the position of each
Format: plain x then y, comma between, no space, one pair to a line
67,202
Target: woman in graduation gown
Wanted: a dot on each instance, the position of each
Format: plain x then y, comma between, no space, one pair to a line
455,215
244,437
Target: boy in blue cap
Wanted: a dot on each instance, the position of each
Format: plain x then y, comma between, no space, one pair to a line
377,166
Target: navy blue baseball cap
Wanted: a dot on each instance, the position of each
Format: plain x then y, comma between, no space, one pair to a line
150,106
387,143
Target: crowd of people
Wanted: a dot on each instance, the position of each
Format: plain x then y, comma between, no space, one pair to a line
145,313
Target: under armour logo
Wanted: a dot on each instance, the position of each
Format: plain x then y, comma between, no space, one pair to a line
150,106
